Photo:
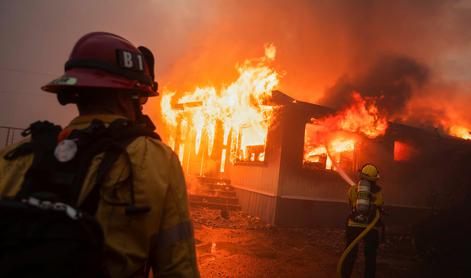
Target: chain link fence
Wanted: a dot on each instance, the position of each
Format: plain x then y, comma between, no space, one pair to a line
9,135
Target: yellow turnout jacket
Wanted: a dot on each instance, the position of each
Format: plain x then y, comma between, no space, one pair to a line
376,200
161,239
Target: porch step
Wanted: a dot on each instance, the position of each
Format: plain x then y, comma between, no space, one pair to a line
214,199
215,193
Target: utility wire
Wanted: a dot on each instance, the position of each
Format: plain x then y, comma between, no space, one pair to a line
27,71
16,92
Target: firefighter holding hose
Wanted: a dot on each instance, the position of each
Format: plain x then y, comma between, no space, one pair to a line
366,201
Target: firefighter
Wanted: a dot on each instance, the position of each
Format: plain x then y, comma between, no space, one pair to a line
108,78
364,199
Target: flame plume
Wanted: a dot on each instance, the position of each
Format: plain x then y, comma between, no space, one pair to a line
238,107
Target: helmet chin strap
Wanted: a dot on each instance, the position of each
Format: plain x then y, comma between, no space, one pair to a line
141,119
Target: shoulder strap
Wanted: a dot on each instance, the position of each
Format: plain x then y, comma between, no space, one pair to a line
43,141
65,180
122,133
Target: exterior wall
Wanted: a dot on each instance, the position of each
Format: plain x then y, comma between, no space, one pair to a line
257,183
314,213
402,183
405,183
283,193
410,188
259,179
310,213
299,183
257,204
313,185
434,177
308,198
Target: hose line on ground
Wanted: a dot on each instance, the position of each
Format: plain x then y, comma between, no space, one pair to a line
355,241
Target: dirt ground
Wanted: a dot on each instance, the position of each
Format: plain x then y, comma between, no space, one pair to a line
232,244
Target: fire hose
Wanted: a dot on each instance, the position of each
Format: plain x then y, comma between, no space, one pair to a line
355,241
368,228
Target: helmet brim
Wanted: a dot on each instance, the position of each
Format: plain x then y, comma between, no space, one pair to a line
82,79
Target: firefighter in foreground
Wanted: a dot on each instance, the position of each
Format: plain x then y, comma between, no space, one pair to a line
366,202
132,183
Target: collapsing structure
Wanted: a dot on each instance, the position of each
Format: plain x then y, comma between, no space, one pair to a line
283,157
289,177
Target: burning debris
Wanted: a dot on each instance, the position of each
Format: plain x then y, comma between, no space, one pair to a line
330,141
238,114
460,131
233,133
403,91
230,124
362,116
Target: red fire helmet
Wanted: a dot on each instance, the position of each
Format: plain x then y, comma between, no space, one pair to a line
102,60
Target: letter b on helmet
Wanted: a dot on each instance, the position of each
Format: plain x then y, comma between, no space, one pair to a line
106,61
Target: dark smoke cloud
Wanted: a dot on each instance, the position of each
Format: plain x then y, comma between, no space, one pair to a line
197,42
392,80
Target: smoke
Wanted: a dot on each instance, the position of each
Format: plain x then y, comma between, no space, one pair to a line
440,105
326,48
321,45
391,80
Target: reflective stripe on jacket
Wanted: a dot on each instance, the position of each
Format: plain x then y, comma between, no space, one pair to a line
162,238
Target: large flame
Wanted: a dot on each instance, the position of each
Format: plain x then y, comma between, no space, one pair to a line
332,138
238,107
240,113
361,117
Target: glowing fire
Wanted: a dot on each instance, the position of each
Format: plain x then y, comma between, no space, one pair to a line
328,153
238,108
460,131
337,145
361,117
446,114
330,142
332,150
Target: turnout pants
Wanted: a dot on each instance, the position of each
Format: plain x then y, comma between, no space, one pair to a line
371,241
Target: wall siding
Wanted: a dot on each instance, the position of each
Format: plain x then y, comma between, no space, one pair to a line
257,204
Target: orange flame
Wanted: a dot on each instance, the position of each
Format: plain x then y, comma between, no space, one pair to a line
330,139
238,107
328,151
361,117
447,113
460,131
337,145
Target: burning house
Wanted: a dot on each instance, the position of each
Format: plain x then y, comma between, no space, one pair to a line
290,161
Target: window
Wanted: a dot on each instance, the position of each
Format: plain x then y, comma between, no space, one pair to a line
328,150
403,151
249,145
